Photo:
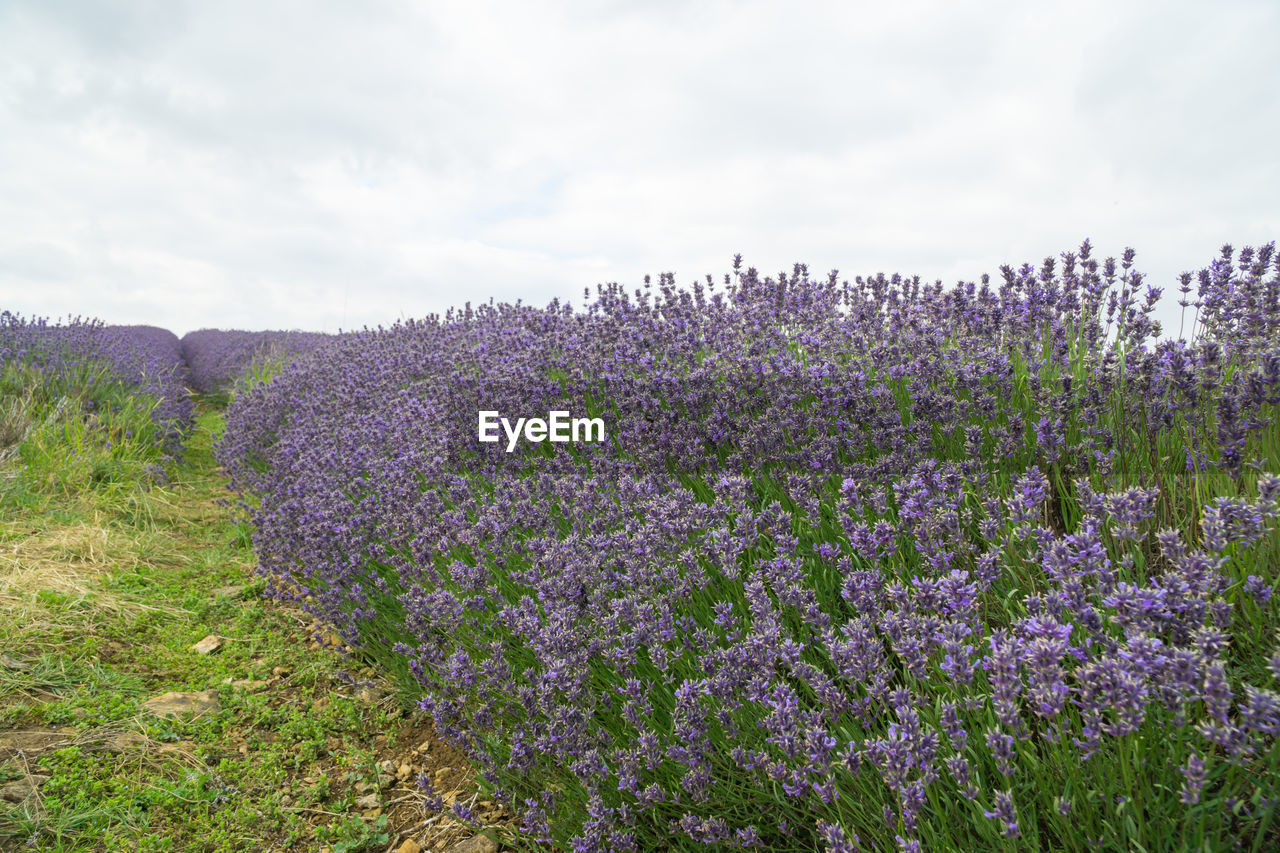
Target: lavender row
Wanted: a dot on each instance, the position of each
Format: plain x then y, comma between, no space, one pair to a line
217,358
858,565
82,351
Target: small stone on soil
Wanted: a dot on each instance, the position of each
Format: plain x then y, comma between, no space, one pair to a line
371,695
31,742
208,645
172,704
23,789
475,844
248,685
125,741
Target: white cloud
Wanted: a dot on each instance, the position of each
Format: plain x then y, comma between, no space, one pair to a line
312,165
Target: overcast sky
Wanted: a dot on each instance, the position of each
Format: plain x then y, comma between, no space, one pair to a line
325,165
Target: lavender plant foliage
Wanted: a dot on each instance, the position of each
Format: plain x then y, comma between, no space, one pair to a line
145,357
151,359
857,564
216,358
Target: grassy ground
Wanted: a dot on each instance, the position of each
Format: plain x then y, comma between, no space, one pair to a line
102,598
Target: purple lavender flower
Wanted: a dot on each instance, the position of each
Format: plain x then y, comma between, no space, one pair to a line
1261,711
1030,492
1001,747
1005,813
1258,588
1002,666
1128,510
836,839
1194,775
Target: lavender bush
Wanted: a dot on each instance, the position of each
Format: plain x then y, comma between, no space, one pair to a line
216,358
150,358
859,566
110,396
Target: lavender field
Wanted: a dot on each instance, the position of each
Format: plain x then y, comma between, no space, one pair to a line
861,565
129,378
217,358
118,395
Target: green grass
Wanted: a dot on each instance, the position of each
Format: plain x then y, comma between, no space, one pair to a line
103,591
80,431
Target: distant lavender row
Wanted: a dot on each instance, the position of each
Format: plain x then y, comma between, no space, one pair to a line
216,358
861,565
151,358
147,357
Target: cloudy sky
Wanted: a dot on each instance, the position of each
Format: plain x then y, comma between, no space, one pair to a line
326,164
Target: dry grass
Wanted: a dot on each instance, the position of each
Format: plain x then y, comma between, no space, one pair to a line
60,559
67,559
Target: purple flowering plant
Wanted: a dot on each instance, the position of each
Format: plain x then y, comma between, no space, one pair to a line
218,359
857,566
88,405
